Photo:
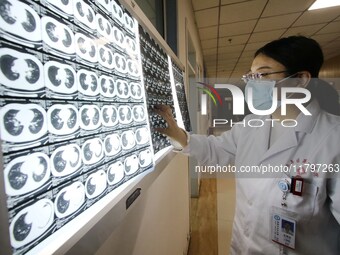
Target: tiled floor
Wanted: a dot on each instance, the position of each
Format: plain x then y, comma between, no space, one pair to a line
225,213
211,217
204,220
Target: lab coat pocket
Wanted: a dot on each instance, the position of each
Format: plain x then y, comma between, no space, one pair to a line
303,205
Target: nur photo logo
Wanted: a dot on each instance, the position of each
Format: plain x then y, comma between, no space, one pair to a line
213,94
239,99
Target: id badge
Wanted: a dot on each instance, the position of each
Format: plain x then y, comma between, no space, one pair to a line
283,227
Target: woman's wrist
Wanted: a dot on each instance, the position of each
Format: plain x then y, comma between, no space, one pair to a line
181,137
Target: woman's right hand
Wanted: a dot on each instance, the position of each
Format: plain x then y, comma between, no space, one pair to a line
172,130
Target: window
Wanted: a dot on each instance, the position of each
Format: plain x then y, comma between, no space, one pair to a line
161,14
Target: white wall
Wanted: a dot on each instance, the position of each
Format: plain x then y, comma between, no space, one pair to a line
185,12
187,21
159,222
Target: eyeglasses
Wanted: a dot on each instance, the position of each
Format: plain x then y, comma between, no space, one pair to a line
256,76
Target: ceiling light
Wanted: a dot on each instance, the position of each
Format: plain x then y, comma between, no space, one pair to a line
319,4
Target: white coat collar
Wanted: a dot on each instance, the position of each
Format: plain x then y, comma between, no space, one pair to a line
289,139
306,123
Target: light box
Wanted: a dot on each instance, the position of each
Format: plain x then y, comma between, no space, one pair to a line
78,81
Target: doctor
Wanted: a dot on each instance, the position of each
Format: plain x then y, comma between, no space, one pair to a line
289,212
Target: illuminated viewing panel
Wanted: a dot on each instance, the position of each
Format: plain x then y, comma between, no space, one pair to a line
74,122
157,85
181,96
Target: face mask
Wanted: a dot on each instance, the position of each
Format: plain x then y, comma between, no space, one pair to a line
262,91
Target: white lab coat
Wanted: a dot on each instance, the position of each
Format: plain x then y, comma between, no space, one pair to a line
316,139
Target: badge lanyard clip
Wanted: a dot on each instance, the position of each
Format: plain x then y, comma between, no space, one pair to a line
283,224
284,186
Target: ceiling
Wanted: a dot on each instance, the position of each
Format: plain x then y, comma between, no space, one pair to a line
232,30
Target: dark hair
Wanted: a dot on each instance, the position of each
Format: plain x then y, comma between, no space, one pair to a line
299,53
